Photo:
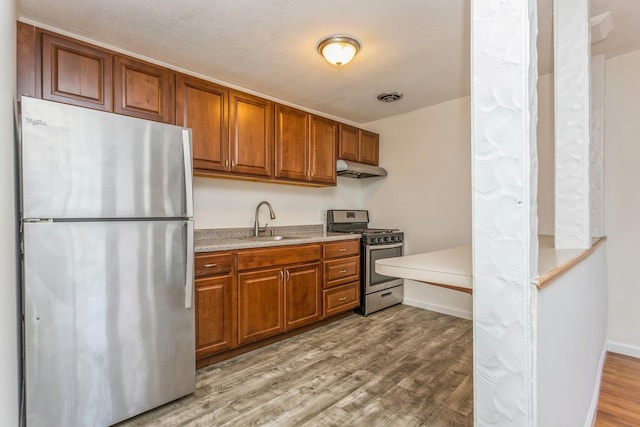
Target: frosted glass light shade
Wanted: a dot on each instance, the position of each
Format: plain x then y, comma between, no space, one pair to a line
339,50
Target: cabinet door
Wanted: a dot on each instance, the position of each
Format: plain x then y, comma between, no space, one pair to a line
322,150
251,134
302,295
215,315
143,90
292,143
202,106
260,304
26,60
348,142
75,73
369,148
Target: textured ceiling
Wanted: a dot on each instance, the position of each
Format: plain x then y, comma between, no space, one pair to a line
417,47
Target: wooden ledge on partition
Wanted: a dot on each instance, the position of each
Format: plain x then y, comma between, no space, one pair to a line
569,258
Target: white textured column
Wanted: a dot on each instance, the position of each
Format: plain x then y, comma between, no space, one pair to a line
572,47
505,244
596,143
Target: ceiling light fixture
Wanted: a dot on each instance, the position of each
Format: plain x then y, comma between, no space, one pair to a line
339,49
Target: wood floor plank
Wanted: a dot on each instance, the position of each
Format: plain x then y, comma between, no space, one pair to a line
403,366
619,400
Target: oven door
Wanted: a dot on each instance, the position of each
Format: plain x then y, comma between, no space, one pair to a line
373,281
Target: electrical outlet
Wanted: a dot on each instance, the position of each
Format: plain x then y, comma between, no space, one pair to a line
323,215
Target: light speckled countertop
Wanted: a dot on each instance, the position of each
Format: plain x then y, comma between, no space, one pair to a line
225,239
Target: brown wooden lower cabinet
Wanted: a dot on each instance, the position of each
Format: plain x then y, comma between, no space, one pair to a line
261,305
215,303
276,300
250,296
303,299
214,315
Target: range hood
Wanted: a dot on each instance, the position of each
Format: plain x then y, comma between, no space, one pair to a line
358,170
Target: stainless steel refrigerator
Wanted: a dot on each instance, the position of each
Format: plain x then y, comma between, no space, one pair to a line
107,242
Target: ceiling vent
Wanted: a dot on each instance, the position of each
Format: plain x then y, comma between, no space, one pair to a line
390,97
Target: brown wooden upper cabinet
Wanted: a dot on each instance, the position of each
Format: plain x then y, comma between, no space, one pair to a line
143,90
305,146
75,73
358,145
250,134
369,147
292,143
349,143
322,150
234,133
203,107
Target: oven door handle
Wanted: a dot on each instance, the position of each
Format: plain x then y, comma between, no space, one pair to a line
384,246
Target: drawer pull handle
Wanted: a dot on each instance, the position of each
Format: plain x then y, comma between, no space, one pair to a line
342,250
385,295
210,265
343,299
343,271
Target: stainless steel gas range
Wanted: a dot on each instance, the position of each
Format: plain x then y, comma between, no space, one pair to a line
376,291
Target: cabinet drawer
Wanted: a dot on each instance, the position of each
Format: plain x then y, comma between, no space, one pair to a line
270,257
340,271
342,249
210,264
341,299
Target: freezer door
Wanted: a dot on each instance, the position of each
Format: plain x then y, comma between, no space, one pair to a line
82,163
107,334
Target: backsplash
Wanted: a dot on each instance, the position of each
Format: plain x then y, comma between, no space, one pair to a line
224,203
241,232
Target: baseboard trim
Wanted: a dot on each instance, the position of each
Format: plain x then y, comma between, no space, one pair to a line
593,409
438,308
622,348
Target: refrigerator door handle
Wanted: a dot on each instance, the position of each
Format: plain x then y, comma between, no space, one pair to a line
188,172
189,279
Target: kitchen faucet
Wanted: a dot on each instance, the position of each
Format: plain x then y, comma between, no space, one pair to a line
257,229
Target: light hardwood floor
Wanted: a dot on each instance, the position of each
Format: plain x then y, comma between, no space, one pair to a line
399,367
619,402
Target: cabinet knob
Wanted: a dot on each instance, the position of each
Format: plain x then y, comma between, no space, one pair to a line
343,271
210,265
342,250
343,299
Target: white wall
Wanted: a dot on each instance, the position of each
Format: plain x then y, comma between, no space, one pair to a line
225,203
427,153
572,319
622,199
546,155
8,302
428,191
